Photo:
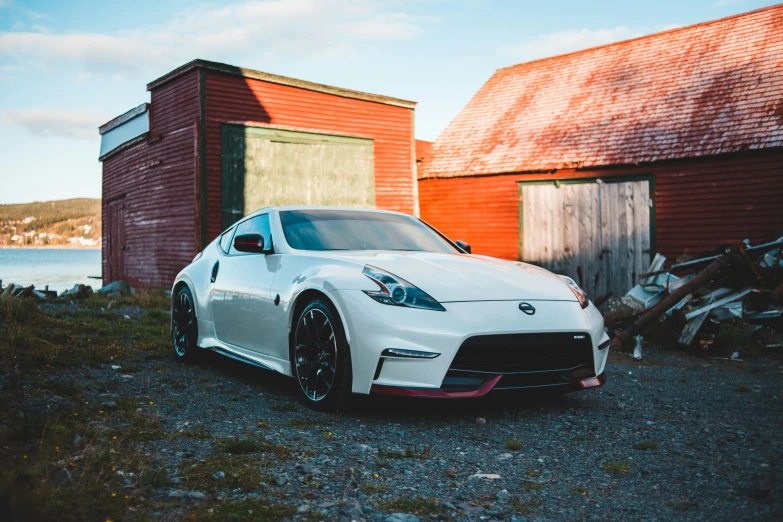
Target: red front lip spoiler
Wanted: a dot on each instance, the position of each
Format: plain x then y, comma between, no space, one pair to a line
437,393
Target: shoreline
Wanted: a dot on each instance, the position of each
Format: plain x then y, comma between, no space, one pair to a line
47,247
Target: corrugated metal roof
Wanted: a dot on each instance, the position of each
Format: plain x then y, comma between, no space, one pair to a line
705,89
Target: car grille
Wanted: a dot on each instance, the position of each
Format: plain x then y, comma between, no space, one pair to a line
524,360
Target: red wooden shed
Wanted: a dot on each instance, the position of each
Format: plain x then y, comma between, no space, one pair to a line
590,162
217,142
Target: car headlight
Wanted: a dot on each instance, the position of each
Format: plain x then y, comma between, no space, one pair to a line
580,294
396,291
198,256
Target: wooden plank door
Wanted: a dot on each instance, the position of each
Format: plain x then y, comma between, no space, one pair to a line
597,233
117,246
266,167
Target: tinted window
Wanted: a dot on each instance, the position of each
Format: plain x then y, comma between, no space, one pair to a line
225,240
356,230
258,224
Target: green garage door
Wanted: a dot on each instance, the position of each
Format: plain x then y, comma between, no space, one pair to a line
264,167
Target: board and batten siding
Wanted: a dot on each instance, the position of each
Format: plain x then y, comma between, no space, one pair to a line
233,99
596,233
156,178
700,203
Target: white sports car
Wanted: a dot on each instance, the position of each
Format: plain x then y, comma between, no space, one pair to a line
372,302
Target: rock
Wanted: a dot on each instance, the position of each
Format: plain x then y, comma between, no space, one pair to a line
126,483
219,475
109,404
62,476
117,288
280,479
306,468
761,490
486,476
304,508
505,456
198,495
408,472
176,480
481,420
176,493
503,495
402,517
77,439
79,292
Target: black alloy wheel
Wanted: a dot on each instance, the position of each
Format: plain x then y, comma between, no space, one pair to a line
321,359
184,328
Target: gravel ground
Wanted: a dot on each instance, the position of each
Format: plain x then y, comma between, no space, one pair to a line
672,437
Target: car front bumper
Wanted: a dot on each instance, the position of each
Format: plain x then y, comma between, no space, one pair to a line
372,327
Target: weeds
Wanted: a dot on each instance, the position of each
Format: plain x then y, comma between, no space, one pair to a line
416,505
514,445
617,466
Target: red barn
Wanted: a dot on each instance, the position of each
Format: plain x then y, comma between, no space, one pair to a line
591,162
217,142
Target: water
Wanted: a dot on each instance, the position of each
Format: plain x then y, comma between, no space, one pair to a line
60,268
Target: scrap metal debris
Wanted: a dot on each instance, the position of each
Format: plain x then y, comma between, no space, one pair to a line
742,283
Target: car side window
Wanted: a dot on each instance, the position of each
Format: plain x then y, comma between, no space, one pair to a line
225,240
258,225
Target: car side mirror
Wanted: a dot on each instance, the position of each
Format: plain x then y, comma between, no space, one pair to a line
464,246
251,243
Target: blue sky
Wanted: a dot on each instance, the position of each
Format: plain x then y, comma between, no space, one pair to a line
68,66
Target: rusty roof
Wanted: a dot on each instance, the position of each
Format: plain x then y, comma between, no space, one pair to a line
711,88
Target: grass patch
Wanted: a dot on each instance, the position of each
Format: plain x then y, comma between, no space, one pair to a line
524,507
306,423
514,445
198,433
742,388
250,510
617,466
532,486
583,438
416,506
239,446
409,453
648,445
155,477
371,487
241,472
579,492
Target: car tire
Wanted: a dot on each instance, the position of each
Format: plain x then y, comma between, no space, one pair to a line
320,354
184,326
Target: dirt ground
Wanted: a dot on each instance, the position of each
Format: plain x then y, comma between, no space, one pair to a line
99,421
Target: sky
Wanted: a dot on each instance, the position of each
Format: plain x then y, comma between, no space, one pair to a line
67,66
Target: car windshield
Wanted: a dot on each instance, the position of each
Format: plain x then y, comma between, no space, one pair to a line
357,230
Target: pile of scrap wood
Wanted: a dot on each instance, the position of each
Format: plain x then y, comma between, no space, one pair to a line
740,283
13,290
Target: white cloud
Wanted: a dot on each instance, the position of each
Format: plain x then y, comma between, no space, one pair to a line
561,42
55,123
725,3
242,31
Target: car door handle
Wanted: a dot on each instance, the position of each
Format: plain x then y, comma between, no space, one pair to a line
215,271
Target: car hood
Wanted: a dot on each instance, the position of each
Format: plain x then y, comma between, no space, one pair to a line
458,277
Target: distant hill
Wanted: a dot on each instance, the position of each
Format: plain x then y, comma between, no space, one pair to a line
67,222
